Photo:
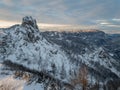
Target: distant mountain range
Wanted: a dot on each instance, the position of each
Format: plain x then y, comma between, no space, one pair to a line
61,60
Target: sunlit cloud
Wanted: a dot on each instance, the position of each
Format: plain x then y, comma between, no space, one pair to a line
111,31
104,23
108,21
67,27
116,19
4,24
115,26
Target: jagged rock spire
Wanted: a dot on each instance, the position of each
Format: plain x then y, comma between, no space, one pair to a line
32,31
28,20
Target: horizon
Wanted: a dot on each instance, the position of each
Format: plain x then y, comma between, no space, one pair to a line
60,27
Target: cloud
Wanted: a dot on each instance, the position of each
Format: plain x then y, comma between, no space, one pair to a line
7,2
4,24
109,24
116,19
86,12
114,26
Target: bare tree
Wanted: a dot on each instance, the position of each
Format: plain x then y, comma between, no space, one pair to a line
81,78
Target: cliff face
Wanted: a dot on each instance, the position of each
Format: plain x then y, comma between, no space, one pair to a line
59,56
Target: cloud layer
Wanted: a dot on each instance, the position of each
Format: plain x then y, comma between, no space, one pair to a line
105,13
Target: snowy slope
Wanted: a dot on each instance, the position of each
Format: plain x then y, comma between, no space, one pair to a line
25,45
100,52
95,49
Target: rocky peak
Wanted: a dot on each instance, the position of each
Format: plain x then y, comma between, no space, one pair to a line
31,29
29,21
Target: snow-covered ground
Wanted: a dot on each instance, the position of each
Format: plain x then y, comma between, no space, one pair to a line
9,83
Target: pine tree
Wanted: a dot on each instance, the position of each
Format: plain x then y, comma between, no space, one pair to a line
63,72
53,68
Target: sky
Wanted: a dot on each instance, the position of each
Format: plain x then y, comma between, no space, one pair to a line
103,14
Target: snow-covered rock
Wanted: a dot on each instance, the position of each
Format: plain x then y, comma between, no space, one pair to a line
29,21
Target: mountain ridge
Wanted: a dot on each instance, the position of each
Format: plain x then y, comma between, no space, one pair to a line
62,54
